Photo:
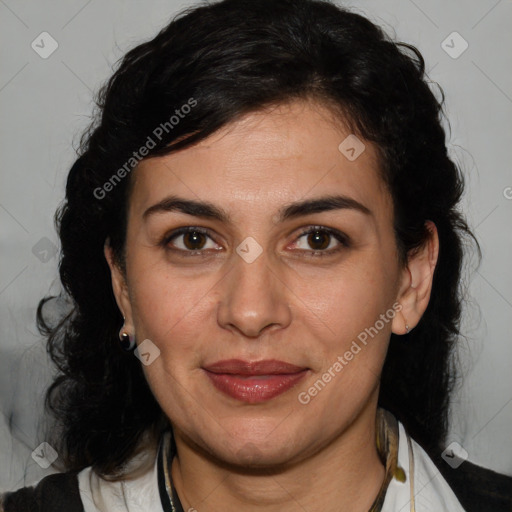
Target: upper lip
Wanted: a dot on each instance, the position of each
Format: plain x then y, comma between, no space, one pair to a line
265,367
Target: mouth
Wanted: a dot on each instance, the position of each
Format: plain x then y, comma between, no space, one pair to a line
254,382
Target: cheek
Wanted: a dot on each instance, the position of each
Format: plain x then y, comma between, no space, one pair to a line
346,300
172,310
352,355
356,310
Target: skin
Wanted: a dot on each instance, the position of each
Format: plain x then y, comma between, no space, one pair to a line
286,305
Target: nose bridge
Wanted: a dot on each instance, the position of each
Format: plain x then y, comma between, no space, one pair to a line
252,298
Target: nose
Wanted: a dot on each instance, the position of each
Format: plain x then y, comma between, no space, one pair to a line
253,298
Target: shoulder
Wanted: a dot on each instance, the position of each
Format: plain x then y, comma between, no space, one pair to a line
476,487
139,488
75,491
54,493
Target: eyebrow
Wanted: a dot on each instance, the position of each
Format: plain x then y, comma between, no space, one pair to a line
206,210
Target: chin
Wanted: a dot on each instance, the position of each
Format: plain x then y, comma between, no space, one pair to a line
251,456
257,456
259,445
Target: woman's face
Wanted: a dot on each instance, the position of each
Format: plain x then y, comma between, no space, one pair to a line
249,285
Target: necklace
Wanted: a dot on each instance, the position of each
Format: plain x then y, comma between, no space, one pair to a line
167,476
387,447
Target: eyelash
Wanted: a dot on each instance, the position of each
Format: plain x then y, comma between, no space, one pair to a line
340,237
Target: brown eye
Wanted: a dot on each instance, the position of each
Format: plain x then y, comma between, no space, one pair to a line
189,240
194,240
319,240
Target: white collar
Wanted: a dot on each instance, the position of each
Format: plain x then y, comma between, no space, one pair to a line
430,490
138,495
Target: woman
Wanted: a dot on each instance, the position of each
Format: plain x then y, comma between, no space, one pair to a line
262,247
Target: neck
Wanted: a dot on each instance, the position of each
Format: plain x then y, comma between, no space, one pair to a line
346,474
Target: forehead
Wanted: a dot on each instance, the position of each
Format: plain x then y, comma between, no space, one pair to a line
257,163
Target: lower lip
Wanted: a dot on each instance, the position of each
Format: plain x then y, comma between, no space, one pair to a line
254,389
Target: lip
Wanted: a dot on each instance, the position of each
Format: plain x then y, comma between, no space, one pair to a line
254,382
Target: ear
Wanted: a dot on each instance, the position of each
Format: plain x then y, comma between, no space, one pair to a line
416,285
120,287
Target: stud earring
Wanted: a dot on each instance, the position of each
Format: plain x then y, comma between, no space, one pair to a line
126,340
407,330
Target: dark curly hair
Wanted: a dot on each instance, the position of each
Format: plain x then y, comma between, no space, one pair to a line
227,59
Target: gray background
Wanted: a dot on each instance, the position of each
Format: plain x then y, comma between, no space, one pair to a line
46,103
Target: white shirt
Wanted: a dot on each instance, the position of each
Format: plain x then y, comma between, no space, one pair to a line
138,495
431,491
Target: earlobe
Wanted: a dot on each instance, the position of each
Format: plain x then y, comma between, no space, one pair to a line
417,279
